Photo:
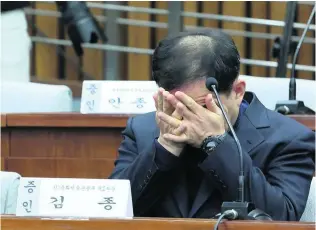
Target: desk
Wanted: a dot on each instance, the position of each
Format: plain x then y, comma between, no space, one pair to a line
66,144
18,223
61,145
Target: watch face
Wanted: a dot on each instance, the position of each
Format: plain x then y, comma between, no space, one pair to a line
211,144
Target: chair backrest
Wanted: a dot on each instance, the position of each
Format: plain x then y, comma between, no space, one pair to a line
309,214
10,182
271,90
28,97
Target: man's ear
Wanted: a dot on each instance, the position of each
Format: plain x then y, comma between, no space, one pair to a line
239,87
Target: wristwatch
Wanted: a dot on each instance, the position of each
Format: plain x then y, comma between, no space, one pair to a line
210,143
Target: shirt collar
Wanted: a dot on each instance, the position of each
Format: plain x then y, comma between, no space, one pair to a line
242,108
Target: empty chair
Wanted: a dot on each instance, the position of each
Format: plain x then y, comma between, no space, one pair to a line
309,214
271,90
10,182
28,97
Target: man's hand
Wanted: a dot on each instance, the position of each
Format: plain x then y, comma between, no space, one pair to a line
163,101
198,122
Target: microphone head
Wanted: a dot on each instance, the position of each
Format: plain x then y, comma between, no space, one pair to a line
209,82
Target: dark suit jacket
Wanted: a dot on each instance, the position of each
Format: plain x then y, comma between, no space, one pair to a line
278,164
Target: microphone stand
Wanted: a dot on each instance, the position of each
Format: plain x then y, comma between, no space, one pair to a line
286,40
293,106
241,209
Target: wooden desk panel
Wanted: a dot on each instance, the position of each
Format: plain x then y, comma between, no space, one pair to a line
66,144
3,120
16,223
75,142
4,141
5,147
61,167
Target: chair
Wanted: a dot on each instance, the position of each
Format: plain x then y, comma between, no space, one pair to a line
10,182
28,97
309,214
271,90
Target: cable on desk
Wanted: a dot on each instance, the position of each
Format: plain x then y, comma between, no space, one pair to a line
229,214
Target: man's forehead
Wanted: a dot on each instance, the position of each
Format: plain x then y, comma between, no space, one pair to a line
196,90
193,86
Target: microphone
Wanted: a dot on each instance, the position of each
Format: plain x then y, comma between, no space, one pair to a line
244,209
292,106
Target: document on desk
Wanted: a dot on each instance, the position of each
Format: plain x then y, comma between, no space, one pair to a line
118,97
78,198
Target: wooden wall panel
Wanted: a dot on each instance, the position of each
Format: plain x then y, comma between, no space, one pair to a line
46,54
210,7
190,6
236,9
307,52
137,66
277,12
91,62
139,37
159,32
258,46
72,62
93,58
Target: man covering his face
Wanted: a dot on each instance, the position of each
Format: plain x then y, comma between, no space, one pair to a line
182,160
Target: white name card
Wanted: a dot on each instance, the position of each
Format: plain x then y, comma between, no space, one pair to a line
118,97
61,197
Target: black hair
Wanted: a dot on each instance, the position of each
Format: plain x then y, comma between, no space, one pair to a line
192,55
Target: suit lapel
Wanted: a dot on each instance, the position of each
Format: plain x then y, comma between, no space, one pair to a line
180,195
202,195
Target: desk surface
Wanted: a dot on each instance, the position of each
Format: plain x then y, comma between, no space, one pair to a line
65,120
92,120
17,223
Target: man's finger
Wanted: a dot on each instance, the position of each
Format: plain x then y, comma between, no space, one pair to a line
175,123
180,130
172,100
160,99
185,112
174,138
167,107
155,97
188,102
176,114
211,105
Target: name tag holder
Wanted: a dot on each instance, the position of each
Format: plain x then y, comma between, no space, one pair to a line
75,198
118,97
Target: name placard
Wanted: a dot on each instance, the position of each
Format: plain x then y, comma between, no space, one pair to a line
118,97
62,197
